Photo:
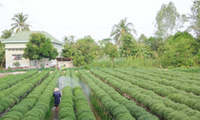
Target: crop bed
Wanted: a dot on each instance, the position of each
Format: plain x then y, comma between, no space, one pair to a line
167,101
116,94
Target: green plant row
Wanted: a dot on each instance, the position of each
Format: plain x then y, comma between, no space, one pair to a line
180,79
166,90
136,111
191,76
179,96
18,70
41,107
191,70
118,111
163,107
176,84
9,82
7,77
140,76
67,104
12,95
18,85
73,68
19,110
83,110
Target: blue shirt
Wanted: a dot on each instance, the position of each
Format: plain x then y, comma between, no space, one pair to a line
57,96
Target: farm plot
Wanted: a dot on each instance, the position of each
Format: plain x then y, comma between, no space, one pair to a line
34,88
145,92
20,77
118,106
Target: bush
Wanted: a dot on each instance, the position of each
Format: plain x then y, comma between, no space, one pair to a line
16,64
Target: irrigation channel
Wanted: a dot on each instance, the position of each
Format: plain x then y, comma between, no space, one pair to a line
62,82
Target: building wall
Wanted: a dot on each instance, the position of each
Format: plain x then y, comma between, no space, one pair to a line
68,64
59,48
9,61
22,45
47,63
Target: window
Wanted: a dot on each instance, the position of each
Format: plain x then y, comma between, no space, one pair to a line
17,57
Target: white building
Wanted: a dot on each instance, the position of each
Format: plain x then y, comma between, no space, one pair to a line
14,49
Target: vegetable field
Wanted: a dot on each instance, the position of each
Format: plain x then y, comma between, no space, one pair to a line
156,94
27,96
103,94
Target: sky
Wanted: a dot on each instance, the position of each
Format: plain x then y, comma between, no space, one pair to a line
86,17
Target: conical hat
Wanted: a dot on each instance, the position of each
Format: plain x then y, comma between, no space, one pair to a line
56,89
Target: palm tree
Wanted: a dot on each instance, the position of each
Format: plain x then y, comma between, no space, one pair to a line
66,40
123,28
20,22
6,34
71,38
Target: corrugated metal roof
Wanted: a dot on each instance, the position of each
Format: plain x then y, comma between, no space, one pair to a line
23,36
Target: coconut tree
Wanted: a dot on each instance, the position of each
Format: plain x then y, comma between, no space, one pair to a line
120,29
65,39
69,40
6,34
72,39
20,22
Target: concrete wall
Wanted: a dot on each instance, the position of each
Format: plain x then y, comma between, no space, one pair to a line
11,49
68,64
48,62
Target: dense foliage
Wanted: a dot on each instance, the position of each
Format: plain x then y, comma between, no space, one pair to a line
39,47
180,50
84,51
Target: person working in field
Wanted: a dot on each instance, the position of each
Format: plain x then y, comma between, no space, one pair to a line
57,96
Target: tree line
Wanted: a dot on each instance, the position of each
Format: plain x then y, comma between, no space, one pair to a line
170,45
173,44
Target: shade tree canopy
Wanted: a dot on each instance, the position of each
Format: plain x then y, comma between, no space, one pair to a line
39,47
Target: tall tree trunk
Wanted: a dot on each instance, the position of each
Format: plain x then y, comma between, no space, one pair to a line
38,64
113,62
2,62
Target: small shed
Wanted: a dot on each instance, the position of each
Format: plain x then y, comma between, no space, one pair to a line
64,61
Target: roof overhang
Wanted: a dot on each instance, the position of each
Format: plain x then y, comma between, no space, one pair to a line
52,41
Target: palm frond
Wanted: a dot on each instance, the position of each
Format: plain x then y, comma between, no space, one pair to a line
18,29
